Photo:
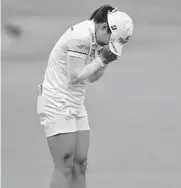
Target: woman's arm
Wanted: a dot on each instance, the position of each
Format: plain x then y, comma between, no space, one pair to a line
78,51
97,75
78,71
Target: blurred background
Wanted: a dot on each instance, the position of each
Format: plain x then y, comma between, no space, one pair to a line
134,110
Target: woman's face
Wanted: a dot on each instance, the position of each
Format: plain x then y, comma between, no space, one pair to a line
103,34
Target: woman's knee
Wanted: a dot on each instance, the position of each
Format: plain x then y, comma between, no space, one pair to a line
80,165
65,165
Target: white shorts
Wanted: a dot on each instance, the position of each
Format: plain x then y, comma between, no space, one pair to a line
61,117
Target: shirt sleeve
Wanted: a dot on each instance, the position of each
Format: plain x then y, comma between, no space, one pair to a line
78,48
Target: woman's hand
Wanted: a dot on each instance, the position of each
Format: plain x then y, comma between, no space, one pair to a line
106,55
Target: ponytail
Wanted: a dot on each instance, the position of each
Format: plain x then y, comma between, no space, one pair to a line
100,14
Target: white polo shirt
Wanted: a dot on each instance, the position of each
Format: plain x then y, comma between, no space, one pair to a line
78,41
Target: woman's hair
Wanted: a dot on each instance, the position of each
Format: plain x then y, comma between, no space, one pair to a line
100,15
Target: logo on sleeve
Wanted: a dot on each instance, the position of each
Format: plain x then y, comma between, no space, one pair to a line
83,47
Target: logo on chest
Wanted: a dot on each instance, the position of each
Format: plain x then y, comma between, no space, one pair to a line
99,51
93,53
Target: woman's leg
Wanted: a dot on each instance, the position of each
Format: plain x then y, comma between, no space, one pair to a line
62,148
80,159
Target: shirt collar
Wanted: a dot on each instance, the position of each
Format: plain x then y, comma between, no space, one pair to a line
92,31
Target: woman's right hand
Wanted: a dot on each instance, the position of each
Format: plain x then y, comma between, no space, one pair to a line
106,55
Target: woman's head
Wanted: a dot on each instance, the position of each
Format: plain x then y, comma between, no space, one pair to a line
103,32
112,27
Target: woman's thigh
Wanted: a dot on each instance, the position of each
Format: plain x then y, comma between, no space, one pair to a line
81,146
62,148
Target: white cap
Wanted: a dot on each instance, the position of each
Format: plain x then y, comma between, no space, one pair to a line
121,26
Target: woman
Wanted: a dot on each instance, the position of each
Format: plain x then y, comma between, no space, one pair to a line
79,57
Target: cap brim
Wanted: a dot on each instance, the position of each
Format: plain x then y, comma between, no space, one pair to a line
115,46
